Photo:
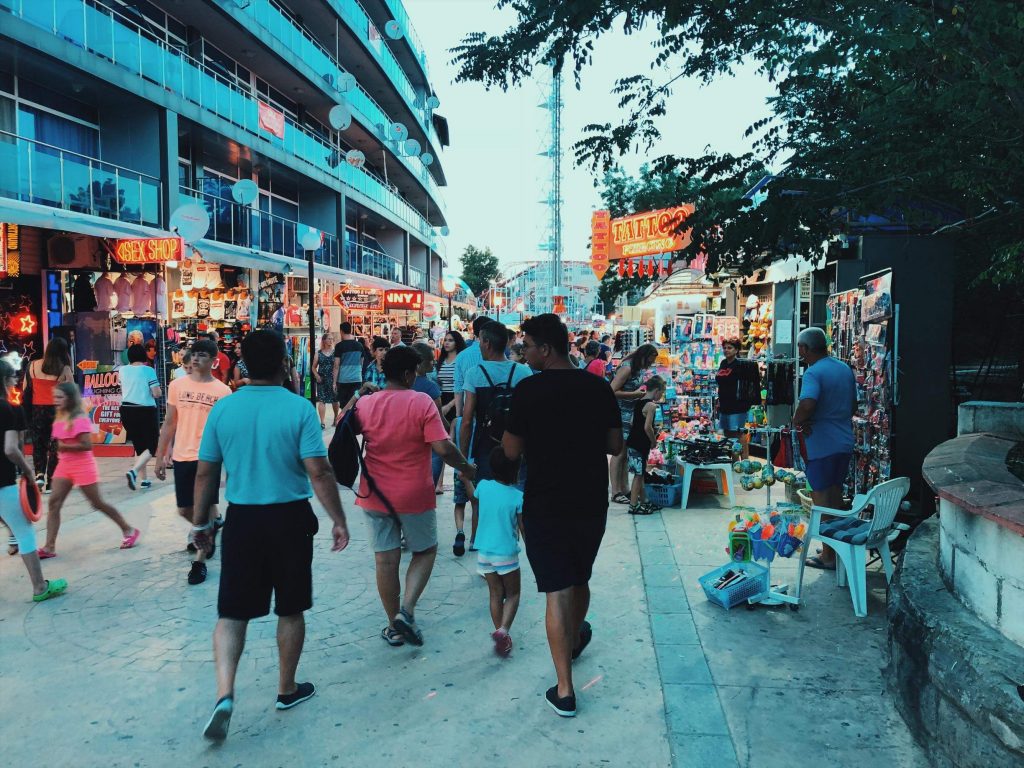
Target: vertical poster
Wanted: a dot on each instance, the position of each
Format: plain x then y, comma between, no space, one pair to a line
97,377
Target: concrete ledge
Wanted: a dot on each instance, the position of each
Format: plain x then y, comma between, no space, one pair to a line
957,682
1003,419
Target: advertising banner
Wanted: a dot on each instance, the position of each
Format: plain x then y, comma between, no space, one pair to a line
271,120
650,233
404,298
357,299
600,231
148,250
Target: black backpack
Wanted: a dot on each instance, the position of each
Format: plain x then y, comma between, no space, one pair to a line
492,413
345,455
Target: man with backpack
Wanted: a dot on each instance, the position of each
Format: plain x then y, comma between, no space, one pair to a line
488,397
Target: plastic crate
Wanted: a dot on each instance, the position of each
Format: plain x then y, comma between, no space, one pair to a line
664,495
754,585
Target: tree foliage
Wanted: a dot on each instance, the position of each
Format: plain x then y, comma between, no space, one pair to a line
479,267
907,109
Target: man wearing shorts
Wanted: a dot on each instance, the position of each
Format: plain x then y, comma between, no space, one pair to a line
267,546
189,400
563,522
400,428
350,357
828,398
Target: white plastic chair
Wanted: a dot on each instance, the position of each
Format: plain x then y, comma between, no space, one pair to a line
851,537
722,479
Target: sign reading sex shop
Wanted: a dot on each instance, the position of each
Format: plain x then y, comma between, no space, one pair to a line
148,250
404,299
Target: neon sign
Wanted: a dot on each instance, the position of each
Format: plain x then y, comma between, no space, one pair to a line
148,250
404,299
24,324
646,234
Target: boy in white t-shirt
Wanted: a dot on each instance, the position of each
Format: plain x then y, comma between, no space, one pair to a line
500,505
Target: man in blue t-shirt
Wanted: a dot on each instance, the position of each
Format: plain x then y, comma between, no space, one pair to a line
350,358
828,398
267,544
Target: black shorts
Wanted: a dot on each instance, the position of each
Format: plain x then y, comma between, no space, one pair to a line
561,549
185,484
266,549
142,427
345,392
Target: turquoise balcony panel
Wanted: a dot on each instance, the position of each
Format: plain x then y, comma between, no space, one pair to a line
40,173
118,40
400,15
417,279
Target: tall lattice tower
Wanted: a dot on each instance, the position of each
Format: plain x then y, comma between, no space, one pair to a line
552,239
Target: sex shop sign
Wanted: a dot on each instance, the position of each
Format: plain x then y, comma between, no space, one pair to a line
404,299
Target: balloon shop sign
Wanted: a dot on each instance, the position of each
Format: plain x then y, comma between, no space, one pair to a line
101,392
646,234
360,299
148,250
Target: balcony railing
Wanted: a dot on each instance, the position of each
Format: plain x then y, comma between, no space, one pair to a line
267,14
245,226
122,42
41,173
400,15
370,261
417,279
435,285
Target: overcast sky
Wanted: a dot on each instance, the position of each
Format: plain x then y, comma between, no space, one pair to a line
496,178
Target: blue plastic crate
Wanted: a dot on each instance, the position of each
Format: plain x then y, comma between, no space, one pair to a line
664,495
754,585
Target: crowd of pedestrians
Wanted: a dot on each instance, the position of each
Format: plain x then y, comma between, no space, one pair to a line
493,407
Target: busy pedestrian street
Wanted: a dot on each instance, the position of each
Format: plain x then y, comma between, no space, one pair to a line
119,672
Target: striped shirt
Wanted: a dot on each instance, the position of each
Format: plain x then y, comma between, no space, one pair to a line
446,377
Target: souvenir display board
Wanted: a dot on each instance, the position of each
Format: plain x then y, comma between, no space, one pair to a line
867,346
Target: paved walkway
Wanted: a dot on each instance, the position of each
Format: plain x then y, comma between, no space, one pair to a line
119,671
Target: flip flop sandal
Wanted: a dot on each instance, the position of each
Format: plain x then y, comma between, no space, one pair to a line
406,627
129,541
44,555
54,587
620,498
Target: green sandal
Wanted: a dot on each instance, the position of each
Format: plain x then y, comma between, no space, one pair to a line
54,587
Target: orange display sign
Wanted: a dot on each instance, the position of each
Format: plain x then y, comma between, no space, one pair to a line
600,234
404,299
148,250
653,232
359,299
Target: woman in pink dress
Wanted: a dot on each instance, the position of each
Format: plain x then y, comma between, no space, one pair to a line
76,467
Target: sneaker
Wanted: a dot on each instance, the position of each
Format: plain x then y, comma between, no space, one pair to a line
564,706
302,693
459,547
586,635
406,627
146,485
198,573
502,642
217,726
48,488
131,477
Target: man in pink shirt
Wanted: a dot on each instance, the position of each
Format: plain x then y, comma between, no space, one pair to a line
400,428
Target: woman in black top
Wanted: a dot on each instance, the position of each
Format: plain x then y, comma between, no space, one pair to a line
739,386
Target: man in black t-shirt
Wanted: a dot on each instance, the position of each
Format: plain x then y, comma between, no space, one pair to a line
563,522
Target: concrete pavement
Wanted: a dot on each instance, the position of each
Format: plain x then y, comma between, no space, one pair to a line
118,672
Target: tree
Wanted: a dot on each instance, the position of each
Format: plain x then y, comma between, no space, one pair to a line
911,109
479,268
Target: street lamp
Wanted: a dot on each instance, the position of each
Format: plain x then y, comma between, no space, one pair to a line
521,309
448,285
310,240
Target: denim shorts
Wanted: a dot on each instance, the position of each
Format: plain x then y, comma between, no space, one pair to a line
732,422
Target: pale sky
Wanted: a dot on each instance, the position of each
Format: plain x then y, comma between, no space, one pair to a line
496,178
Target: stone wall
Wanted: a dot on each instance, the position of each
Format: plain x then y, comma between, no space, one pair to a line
957,682
983,564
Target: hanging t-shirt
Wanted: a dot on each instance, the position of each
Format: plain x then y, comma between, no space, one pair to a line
187,275
123,289
136,381
230,309
217,306
106,299
191,304
192,401
199,269
203,306
244,308
142,296
159,287
178,305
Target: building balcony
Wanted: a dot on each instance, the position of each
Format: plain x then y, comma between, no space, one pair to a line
417,279
399,14
248,227
120,41
369,261
34,172
292,37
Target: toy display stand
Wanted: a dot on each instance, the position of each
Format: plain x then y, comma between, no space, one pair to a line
784,544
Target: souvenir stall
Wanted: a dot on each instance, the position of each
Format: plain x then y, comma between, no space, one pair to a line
104,296
863,325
